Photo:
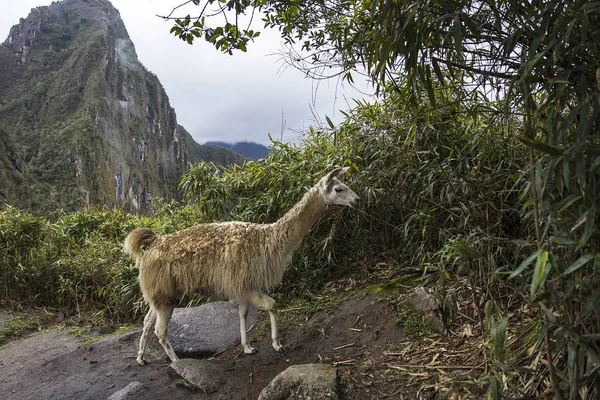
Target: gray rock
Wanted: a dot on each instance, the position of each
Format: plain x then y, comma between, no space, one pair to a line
424,303
198,374
207,329
303,382
420,301
126,391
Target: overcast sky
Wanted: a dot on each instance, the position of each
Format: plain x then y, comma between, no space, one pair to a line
217,96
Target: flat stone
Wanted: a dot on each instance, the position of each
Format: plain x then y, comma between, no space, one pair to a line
199,374
303,382
126,391
207,329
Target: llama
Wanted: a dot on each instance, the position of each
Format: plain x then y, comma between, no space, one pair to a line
232,260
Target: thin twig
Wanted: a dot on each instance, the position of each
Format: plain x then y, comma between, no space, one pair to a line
408,366
344,346
345,362
291,309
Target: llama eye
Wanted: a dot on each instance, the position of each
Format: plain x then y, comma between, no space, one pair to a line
338,190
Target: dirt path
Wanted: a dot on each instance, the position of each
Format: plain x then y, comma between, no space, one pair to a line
57,365
356,337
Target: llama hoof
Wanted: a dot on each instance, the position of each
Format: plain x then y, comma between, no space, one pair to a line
141,361
277,346
249,350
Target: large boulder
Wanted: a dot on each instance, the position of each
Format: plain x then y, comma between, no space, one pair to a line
303,382
207,329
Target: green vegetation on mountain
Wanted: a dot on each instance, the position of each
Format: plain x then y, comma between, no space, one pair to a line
247,149
83,122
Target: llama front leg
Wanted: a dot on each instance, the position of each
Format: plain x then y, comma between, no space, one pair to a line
274,333
264,302
243,311
149,321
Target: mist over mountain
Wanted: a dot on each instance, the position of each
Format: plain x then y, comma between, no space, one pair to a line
82,121
246,149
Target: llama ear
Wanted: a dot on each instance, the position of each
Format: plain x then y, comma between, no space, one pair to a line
335,173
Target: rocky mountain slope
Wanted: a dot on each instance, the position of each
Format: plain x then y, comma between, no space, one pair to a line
82,121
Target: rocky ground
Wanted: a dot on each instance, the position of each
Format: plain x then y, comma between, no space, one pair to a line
362,336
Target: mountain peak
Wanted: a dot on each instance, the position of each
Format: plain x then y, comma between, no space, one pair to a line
67,13
86,122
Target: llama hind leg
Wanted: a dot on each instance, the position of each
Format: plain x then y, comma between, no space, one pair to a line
149,321
264,302
243,310
162,322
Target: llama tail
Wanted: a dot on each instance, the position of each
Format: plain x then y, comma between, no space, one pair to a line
136,239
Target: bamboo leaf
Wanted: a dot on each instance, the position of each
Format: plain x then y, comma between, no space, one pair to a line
581,261
495,392
595,164
429,87
543,147
498,334
329,122
539,273
524,264
562,240
437,70
549,314
521,242
458,34
571,199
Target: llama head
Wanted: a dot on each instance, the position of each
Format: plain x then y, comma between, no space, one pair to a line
335,192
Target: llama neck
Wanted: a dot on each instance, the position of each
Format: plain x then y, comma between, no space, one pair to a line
298,221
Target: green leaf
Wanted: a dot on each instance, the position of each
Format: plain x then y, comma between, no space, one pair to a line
437,70
539,273
595,164
458,34
562,240
524,264
495,391
581,261
429,87
590,306
543,147
571,199
498,334
549,314
521,242
329,122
